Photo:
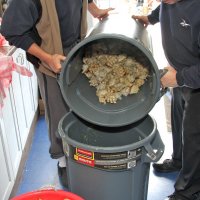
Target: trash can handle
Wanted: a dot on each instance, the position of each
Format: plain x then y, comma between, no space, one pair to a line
154,151
163,90
152,155
58,74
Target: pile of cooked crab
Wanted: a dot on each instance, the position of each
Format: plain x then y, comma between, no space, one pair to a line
114,76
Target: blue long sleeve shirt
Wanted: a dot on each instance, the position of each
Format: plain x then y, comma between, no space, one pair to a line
180,29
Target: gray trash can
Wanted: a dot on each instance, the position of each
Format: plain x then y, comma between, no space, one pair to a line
110,146
129,38
110,163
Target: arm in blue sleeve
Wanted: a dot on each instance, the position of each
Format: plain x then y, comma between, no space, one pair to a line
19,22
190,76
154,16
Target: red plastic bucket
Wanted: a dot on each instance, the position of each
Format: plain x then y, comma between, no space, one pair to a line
48,195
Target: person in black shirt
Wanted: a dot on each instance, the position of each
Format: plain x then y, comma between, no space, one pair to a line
25,24
180,30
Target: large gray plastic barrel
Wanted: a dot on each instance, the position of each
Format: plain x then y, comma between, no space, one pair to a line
110,146
115,35
109,163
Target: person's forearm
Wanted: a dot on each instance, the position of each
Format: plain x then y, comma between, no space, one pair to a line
154,16
36,51
97,12
52,62
92,8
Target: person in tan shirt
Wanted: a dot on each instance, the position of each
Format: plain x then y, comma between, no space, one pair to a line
47,30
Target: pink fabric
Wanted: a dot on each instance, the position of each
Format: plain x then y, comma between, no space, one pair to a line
3,41
7,66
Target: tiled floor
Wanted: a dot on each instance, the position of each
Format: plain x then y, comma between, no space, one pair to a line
41,171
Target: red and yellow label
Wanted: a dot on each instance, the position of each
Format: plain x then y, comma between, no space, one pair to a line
85,153
84,156
83,160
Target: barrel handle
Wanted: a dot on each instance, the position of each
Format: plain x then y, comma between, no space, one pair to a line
58,74
153,153
162,89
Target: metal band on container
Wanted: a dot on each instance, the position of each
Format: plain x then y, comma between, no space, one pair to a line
107,161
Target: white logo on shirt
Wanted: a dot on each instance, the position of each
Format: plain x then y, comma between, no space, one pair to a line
184,24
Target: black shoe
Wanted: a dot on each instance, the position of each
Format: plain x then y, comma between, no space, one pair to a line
196,196
62,173
176,197
168,165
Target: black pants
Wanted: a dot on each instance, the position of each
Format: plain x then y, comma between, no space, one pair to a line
55,109
186,139
177,107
